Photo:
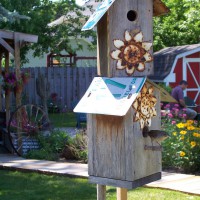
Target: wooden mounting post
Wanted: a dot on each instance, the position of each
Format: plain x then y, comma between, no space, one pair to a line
121,194
0,84
7,97
17,65
101,192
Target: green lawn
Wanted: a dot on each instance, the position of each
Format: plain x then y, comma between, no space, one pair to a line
33,186
63,119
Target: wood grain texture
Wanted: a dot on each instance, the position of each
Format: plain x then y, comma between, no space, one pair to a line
69,83
101,192
1,56
103,47
125,184
117,147
118,23
108,155
121,194
17,65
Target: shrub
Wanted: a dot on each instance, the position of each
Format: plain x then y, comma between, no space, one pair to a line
76,148
182,149
50,146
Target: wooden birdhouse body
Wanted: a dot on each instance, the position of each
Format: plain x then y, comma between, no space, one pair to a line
116,149
120,107
113,25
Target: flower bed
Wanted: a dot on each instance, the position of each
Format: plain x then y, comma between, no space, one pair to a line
12,83
182,149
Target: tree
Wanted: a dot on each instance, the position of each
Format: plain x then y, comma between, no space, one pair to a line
180,27
42,12
7,16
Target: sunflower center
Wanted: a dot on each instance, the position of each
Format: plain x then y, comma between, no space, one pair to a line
132,54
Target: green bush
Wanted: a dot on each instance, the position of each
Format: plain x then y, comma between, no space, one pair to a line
50,146
76,148
182,149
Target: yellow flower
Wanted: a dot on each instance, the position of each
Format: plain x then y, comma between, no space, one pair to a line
190,128
182,137
190,121
182,153
193,143
174,133
180,125
196,134
183,132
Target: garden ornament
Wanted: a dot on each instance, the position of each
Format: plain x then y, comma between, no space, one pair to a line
132,53
144,105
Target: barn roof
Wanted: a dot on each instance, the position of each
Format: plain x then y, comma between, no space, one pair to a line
165,58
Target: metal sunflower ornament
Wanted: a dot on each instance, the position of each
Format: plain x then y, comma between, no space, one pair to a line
132,53
144,106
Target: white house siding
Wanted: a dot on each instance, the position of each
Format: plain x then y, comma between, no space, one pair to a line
85,52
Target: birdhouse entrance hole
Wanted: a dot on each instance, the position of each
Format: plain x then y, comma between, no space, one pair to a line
132,15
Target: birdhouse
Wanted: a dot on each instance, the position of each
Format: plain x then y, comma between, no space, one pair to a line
125,36
124,106
120,152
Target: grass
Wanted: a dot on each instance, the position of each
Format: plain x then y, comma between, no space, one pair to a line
63,119
32,186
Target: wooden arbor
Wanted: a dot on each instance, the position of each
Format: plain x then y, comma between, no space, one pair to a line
10,43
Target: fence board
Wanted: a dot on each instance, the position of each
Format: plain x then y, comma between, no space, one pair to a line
68,83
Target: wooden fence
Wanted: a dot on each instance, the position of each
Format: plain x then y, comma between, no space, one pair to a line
68,83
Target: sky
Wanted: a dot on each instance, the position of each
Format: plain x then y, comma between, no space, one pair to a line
78,2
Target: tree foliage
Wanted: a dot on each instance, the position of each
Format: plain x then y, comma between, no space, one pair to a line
180,27
10,17
42,12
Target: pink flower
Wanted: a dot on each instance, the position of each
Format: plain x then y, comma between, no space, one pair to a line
184,115
173,122
163,114
167,106
170,115
184,109
176,105
180,115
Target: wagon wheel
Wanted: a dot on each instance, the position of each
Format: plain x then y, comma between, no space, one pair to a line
25,125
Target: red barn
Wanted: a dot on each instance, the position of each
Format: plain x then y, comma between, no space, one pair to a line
173,64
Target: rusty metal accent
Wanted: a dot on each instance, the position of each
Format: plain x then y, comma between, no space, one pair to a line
132,53
153,148
144,105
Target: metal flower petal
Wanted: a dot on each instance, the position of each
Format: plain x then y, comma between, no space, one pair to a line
119,65
148,57
118,43
147,45
130,71
128,36
138,37
115,54
141,67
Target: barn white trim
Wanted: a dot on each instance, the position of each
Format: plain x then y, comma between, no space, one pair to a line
171,77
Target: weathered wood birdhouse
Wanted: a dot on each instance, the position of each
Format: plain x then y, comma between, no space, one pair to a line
121,152
123,107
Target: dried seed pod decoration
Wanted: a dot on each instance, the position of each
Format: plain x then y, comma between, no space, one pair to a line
144,106
132,53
